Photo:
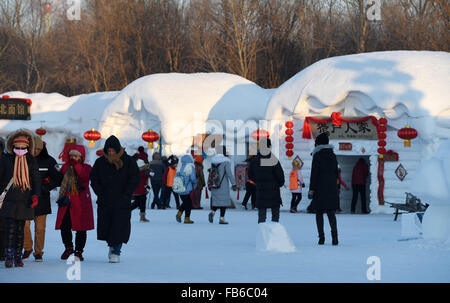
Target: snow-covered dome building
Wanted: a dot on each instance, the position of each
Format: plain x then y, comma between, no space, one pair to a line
405,87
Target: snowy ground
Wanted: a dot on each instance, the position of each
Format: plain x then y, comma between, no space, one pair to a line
166,251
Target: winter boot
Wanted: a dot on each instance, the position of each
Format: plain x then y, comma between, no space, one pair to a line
188,220
113,258
335,239
79,255
18,259
9,258
178,216
26,254
211,217
321,239
66,254
222,221
143,219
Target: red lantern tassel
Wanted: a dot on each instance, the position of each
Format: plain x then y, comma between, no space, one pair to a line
306,129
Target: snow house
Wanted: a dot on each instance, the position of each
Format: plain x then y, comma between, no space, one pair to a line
390,108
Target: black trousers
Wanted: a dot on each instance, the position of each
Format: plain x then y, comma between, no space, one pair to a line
186,205
66,234
2,237
359,189
331,219
166,191
262,213
222,210
156,187
139,201
249,194
14,234
296,198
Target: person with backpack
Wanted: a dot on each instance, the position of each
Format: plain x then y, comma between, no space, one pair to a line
184,183
295,185
266,171
219,179
168,178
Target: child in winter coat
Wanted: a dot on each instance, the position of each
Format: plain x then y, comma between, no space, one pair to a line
74,203
168,177
140,194
295,185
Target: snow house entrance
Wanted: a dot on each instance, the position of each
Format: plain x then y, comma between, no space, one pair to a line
346,164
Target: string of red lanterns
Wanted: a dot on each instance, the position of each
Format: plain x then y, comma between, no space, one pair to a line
289,139
382,136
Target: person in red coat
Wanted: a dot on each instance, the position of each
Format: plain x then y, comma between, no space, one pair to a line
75,206
359,175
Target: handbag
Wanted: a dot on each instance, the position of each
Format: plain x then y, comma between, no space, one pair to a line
63,201
3,195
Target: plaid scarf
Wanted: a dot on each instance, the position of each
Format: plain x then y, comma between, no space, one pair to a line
69,183
21,176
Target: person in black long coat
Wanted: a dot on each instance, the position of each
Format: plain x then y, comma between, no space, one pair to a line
266,172
114,178
20,168
323,186
50,179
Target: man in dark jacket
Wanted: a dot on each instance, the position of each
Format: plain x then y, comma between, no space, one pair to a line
157,170
114,178
359,175
323,186
50,179
268,176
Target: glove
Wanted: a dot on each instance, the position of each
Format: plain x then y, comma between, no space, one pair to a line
35,201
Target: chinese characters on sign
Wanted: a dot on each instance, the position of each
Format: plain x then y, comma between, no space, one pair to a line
14,109
347,131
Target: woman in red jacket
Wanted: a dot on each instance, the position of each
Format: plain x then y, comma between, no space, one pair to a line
75,205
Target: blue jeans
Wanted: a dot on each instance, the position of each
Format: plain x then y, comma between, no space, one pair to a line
116,249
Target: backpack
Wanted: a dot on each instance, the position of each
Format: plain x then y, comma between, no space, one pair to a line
213,177
179,183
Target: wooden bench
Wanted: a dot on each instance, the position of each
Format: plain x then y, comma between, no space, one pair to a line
412,204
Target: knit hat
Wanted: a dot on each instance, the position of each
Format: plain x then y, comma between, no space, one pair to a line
74,152
112,142
322,139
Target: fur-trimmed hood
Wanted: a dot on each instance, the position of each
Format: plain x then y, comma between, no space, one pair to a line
20,132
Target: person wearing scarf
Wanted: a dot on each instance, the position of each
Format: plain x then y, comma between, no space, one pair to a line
20,168
75,211
114,178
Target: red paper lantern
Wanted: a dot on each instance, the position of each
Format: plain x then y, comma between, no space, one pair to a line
382,136
382,143
289,146
289,132
289,124
260,133
289,153
407,133
382,128
289,139
382,121
150,136
92,135
40,132
381,150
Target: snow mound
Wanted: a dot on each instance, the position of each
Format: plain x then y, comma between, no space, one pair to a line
407,87
179,104
431,182
274,237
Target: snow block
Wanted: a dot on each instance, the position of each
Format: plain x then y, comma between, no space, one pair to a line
412,224
274,237
436,223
